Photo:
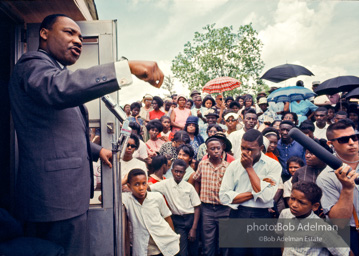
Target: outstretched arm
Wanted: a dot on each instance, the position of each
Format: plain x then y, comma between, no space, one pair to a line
147,71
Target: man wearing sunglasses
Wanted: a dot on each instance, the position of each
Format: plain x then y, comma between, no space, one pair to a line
340,193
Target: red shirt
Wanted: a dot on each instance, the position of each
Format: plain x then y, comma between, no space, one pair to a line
156,114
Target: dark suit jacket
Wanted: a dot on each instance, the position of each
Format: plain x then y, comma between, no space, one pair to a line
55,156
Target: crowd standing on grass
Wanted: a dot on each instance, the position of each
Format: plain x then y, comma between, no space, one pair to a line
232,157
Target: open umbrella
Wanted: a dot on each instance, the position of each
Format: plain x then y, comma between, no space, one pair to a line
290,93
221,84
353,94
338,84
283,72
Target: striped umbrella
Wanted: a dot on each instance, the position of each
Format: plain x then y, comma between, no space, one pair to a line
221,84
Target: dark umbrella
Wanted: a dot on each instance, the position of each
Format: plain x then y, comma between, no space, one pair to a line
284,72
338,84
353,94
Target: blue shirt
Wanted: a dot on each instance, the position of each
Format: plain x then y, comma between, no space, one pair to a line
302,108
286,151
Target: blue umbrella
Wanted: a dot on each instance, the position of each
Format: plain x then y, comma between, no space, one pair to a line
290,93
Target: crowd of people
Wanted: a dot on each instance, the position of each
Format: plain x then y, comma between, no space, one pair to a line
215,157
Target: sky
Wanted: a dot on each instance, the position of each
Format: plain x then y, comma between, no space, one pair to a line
322,36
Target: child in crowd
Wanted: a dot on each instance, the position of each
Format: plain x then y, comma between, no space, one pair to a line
135,110
208,180
293,164
166,134
157,168
154,127
184,203
304,200
150,219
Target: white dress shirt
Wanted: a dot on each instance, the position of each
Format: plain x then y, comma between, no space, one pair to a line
148,220
236,140
236,181
181,198
141,152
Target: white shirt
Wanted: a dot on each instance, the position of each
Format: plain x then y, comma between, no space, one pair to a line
329,239
236,181
148,220
181,198
141,152
320,133
287,191
236,139
134,163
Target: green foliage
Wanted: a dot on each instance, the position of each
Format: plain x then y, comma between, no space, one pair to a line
168,84
221,52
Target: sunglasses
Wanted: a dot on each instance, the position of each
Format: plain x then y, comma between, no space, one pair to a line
233,120
345,139
131,145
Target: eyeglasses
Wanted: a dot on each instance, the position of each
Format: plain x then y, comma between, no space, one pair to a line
131,145
345,139
220,98
233,120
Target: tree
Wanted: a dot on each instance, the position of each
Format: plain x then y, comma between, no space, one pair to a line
221,52
168,84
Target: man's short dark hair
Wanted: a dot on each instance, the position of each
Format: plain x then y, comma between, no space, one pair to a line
253,135
249,111
307,125
135,105
287,122
295,159
234,103
311,191
179,162
50,20
340,125
133,173
341,113
157,163
322,109
173,95
154,124
228,98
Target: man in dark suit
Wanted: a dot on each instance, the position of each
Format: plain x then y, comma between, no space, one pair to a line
54,181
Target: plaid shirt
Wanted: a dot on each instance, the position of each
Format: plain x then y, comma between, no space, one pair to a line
210,178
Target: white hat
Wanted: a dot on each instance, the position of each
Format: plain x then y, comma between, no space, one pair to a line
262,100
234,115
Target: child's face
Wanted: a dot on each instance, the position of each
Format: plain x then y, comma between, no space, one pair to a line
135,111
138,186
299,205
166,124
214,149
273,142
212,131
208,104
153,133
182,155
235,109
178,173
293,167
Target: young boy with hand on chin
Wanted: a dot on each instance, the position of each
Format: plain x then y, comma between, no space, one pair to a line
184,202
304,200
150,218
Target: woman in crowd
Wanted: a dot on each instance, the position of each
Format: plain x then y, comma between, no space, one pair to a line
189,103
179,115
156,113
290,116
154,127
127,109
145,110
248,101
169,149
192,129
212,129
302,108
231,120
273,136
166,134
